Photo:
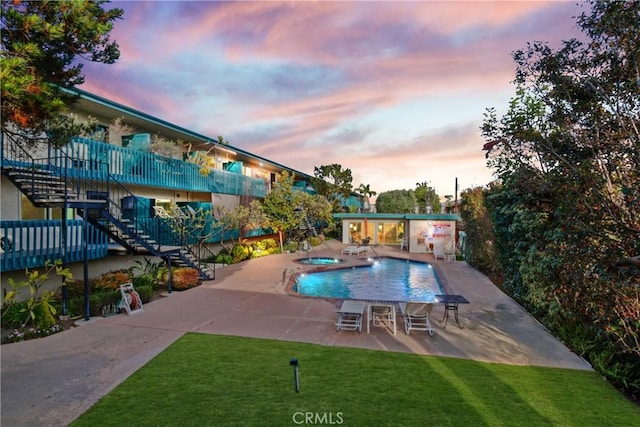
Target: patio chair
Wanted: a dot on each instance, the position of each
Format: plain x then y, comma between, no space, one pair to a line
449,251
416,316
379,313
438,251
404,245
354,250
350,316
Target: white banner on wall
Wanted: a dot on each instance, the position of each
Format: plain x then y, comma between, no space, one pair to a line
424,234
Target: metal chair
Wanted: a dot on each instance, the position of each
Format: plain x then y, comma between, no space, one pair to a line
377,314
416,316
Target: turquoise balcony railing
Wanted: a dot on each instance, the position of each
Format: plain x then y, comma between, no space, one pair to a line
29,244
96,160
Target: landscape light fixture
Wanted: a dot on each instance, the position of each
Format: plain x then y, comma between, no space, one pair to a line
296,379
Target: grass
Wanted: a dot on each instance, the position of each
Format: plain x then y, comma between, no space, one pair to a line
210,380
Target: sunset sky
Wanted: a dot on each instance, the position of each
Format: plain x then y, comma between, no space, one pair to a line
394,91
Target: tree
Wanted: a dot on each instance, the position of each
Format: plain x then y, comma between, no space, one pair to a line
43,43
365,192
241,219
396,201
333,182
282,206
480,242
317,209
427,199
567,214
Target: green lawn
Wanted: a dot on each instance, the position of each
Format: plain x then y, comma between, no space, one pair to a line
209,380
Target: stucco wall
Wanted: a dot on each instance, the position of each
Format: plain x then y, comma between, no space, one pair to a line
9,201
424,234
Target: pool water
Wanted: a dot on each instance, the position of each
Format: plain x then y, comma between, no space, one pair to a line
387,280
320,261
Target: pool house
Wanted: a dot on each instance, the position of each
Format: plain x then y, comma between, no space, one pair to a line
413,232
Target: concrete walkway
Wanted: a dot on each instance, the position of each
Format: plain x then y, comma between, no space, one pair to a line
53,380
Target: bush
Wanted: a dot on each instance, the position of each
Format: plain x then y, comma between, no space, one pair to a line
314,241
184,278
13,315
35,316
291,246
151,273
240,253
113,279
144,281
98,299
266,245
76,289
223,257
145,292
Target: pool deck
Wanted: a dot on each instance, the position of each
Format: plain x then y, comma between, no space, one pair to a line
53,380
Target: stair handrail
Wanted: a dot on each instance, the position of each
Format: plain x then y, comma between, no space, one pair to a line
17,156
292,275
63,165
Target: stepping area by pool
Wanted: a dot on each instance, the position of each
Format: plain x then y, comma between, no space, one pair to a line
53,380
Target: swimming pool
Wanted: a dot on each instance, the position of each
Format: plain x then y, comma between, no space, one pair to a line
387,280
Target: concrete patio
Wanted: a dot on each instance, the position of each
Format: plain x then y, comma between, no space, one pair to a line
53,380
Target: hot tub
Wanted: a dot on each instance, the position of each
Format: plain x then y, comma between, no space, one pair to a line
319,261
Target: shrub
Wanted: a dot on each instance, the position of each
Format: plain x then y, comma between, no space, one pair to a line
150,273
75,306
184,278
291,246
314,241
13,315
76,289
224,258
145,292
36,315
144,281
113,279
98,299
266,244
239,253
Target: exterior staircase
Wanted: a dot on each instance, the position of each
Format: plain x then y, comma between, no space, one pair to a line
54,182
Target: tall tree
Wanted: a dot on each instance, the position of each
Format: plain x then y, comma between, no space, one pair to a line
282,206
43,43
396,201
333,182
568,155
426,197
480,242
366,193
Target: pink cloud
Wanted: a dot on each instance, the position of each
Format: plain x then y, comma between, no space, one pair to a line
295,81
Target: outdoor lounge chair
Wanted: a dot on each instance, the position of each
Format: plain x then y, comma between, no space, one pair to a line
449,251
354,250
416,316
350,316
438,251
379,313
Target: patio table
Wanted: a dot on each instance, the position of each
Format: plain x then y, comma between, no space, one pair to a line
451,303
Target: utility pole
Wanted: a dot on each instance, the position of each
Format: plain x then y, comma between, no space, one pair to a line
455,200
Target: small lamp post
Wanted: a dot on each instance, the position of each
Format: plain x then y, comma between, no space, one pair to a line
296,379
